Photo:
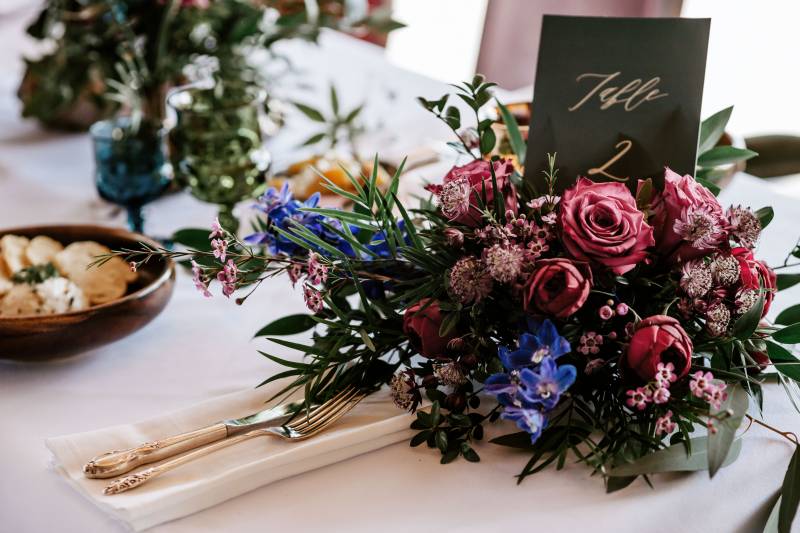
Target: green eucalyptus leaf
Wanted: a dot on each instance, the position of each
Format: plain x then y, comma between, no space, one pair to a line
287,325
787,280
765,216
788,335
712,128
719,443
722,155
790,315
790,494
674,459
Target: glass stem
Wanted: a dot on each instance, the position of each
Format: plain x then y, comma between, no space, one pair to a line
136,219
227,219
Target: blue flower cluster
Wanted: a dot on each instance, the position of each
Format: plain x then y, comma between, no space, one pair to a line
285,212
533,383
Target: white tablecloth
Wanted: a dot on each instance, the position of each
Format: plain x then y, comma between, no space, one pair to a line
197,349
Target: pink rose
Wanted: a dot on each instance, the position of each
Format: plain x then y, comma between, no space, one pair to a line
688,219
558,287
462,187
600,222
659,339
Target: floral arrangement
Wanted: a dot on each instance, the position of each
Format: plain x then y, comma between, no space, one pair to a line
110,53
624,329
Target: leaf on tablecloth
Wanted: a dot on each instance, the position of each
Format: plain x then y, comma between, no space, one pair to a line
675,459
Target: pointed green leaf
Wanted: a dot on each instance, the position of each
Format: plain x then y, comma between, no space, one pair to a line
787,280
789,315
765,216
784,361
287,325
719,443
712,128
788,335
722,155
790,494
310,112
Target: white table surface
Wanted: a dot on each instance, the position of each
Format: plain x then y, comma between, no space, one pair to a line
197,349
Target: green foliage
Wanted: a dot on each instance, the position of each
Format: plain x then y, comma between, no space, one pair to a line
108,53
790,494
475,95
710,156
675,458
338,126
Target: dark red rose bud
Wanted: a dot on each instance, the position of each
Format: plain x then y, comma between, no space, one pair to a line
659,339
455,402
421,323
469,360
558,287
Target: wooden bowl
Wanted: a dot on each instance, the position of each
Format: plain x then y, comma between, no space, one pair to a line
42,337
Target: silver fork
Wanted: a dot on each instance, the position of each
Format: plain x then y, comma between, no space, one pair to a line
307,425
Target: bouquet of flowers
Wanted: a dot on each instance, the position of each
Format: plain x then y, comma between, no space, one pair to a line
622,328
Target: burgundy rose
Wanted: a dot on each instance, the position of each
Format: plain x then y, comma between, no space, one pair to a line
463,186
600,222
421,324
558,287
688,219
659,339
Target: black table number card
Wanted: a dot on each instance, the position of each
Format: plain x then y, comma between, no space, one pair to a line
617,98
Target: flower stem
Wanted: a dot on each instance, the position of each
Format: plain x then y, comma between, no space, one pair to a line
785,434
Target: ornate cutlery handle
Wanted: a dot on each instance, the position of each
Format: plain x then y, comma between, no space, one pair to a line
134,480
118,462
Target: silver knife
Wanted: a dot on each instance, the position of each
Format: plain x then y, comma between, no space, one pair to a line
118,462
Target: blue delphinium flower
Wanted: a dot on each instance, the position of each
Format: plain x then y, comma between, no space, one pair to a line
533,383
534,347
531,421
285,212
544,385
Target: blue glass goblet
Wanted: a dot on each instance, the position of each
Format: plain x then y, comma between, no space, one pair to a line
131,165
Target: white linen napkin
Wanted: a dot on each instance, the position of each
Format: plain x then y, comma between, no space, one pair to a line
225,474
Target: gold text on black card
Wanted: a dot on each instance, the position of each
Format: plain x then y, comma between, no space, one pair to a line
631,95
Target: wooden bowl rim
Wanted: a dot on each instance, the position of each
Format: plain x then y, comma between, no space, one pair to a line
167,273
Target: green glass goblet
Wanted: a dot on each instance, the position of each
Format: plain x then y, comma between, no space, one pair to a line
216,145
